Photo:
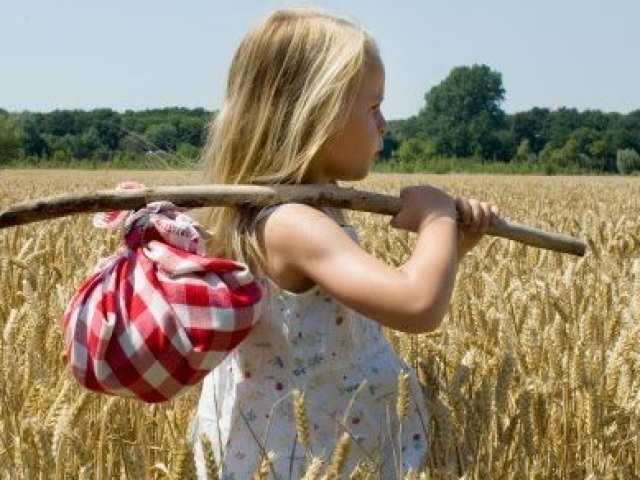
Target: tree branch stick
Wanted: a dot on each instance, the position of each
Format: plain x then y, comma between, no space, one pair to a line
238,195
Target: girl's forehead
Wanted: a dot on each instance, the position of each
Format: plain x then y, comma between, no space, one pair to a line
373,80
372,60
375,70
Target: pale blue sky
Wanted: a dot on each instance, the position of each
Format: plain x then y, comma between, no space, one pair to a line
138,54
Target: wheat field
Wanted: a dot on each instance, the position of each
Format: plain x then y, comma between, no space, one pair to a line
534,373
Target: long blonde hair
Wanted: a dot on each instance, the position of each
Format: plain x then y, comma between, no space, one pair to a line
291,82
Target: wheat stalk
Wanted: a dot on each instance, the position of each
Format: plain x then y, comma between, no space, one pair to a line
402,402
314,469
301,420
266,465
209,458
339,457
184,467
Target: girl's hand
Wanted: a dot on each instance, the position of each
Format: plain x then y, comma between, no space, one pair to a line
474,218
422,205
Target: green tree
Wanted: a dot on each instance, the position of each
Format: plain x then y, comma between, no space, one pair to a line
628,161
389,145
34,143
187,153
414,150
406,128
530,126
523,153
61,122
462,114
105,124
631,124
11,138
559,125
163,137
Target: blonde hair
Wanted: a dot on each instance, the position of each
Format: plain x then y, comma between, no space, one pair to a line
291,83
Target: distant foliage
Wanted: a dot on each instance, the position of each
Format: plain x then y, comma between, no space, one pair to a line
11,138
462,119
460,127
462,115
628,161
63,137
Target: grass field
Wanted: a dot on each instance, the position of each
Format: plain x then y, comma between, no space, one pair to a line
534,374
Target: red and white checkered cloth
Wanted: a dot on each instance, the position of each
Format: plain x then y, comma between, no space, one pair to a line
155,318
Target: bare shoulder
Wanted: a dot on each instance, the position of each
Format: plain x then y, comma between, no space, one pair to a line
294,237
298,221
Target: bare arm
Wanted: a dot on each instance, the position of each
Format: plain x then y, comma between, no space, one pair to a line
304,246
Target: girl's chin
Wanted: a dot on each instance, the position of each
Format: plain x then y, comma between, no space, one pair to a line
360,175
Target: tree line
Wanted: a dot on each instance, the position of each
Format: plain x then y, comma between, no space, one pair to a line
171,135
461,126
462,119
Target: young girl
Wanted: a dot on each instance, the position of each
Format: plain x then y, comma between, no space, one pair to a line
303,106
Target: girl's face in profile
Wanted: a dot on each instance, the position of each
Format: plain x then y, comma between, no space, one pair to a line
349,153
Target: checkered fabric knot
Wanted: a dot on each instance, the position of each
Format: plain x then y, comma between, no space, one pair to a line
155,318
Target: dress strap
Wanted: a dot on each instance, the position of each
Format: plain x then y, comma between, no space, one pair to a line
334,213
265,212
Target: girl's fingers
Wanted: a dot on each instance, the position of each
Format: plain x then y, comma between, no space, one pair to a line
487,216
479,215
474,214
465,214
492,213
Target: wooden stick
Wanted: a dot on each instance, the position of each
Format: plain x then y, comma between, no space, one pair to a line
237,195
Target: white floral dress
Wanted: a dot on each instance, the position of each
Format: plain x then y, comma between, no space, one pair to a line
348,372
